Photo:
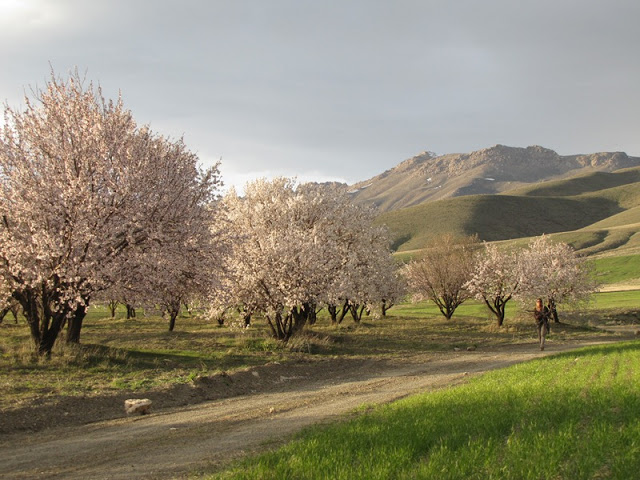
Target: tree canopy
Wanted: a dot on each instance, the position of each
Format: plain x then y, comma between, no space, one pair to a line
86,194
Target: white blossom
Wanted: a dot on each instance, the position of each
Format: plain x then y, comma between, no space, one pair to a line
86,198
297,248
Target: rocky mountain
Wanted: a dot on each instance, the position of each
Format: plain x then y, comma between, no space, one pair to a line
427,176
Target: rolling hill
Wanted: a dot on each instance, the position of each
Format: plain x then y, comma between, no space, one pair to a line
598,213
428,177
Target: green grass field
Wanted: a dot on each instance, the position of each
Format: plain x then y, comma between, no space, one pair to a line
570,416
617,269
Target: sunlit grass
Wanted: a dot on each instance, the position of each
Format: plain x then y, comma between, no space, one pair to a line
616,300
618,269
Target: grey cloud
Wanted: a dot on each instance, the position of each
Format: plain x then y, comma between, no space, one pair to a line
356,86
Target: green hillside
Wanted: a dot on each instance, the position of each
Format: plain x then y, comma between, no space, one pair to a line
493,217
597,213
589,183
624,218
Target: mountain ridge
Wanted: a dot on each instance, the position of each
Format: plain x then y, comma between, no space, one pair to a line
428,177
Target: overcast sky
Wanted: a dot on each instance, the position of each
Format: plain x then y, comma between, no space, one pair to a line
344,89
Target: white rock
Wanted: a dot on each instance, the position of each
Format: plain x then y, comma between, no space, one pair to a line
140,406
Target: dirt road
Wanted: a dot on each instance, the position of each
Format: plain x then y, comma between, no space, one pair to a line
174,442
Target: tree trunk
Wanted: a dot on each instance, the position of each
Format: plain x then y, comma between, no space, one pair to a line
281,325
131,311
301,316
313,315
113,305
386,305
356,312
173,309
75,324
15,311
47,341
445,309
333,313
44,323
274,331
552,309
245,314
3,313
343,312
497,307
448,305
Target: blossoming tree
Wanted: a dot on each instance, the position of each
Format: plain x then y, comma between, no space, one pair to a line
495,279
554,272
298,248
84,194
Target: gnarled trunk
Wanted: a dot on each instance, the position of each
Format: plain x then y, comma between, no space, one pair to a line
281,325
246,315
385,306
448,303
357,311
301,316
497,307
75,324
46,316
551,305
338,314
173,309
113,305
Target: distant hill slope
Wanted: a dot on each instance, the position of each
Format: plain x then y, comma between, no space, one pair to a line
596,212
427,177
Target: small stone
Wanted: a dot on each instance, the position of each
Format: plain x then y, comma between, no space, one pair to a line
139,406
471,348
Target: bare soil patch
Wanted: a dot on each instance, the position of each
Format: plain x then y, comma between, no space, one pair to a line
216,419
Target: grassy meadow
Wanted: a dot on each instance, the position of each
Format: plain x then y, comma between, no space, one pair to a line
135,355
612,270
570,416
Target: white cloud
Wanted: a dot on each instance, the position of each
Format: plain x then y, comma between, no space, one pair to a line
20,18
